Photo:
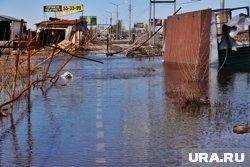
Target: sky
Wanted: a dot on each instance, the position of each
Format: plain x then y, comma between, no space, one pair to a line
32,10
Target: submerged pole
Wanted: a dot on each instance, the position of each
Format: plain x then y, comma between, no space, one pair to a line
28,69
16,65
150,17
108,43
154,24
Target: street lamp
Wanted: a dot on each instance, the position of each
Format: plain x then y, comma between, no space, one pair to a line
110,16
106,18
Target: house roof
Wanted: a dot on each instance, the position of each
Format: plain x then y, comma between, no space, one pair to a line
60,22
9,18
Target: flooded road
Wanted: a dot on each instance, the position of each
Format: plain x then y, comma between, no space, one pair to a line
119,114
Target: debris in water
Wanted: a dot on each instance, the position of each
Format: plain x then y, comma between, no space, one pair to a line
3,113
67,75
196,101
240,129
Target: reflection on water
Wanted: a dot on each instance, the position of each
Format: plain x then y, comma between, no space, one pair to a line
141,123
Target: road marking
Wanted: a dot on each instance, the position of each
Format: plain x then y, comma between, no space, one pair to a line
98,105
99,95
98,100
99,124
99,134
98,116
99,109
100,147
100,160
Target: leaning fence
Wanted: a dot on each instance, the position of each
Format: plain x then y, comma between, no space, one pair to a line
18,74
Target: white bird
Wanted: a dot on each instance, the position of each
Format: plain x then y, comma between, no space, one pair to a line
67,75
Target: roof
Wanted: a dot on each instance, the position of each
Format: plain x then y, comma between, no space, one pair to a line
60,22
9,18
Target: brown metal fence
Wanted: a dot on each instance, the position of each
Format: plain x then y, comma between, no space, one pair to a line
187,41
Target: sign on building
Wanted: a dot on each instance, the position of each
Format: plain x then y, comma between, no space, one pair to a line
77,8
91,20
158,22
52,8
139,25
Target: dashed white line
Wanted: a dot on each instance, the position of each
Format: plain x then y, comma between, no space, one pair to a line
99,105
98,116
100,160
99,134
100,147
99,124
99,109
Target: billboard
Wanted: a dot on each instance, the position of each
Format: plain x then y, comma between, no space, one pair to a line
62,10
158,22
91,20
139,25
52,8
76,8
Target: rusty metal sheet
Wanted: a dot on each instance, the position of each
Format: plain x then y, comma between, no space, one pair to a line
164,29
188,41
185,36
60,22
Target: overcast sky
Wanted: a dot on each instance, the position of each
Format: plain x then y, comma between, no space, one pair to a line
32,10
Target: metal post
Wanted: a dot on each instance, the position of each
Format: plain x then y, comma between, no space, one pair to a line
13,90
249,34
28,68
105,19
174,6
110,32
222,4
110,16
130,9
154,25
150,17
117,27
117,17
107,43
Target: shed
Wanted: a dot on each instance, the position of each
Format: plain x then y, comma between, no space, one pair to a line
67,29
9,29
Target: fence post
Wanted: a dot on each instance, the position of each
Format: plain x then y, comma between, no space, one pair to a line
28,69
16,65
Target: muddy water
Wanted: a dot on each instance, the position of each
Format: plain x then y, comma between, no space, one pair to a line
120,114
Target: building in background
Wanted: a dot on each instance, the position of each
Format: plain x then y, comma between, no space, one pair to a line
70,30
9,31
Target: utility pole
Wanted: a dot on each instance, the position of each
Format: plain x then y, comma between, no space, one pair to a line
117,18
106,18
110,16
154,24
110,32
149,22
130,9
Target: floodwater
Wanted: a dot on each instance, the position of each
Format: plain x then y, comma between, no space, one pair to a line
120,114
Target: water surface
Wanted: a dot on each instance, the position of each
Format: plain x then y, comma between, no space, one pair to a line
120,114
